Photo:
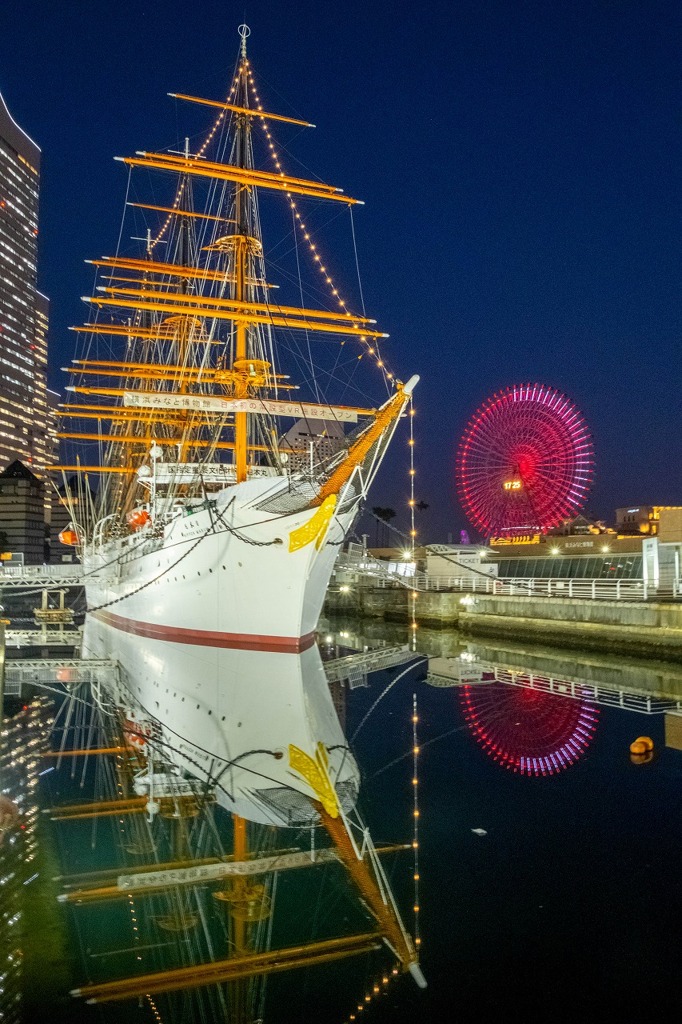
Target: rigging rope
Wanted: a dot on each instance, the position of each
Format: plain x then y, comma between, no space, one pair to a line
210,529
413,664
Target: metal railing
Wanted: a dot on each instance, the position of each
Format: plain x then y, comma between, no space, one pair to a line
596,590
356,666
378,574
43,637
71,574
70,672
616,697
468,671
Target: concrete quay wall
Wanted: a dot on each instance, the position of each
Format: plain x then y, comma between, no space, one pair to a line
645,676
639,628
594,636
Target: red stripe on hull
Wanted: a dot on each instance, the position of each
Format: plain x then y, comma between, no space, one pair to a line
208,637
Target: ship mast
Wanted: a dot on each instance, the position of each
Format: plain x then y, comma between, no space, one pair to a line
242,242
171,391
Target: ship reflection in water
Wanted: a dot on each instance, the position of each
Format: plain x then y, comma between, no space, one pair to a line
230,899
195,900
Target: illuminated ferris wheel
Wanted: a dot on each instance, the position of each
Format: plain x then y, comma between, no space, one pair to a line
526,730
525,462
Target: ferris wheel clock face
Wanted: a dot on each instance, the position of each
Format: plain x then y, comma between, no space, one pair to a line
525,462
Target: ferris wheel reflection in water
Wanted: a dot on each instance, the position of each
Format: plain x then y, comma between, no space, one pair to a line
527,731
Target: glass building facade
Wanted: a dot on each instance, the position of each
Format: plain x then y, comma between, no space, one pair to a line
24,311
627,566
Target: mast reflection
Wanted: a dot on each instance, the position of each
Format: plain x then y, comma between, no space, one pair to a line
205,889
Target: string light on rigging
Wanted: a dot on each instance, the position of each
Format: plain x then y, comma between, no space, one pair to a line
200,152
415,817
370,349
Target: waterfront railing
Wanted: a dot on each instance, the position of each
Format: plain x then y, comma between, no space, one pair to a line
595,589
372,572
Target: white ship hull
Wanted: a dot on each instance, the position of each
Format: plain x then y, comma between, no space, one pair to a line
212,626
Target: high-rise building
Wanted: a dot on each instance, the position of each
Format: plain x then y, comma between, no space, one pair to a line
23,309
23,739
22,514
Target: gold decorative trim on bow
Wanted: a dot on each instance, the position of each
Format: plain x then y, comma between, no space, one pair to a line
316,527
316,773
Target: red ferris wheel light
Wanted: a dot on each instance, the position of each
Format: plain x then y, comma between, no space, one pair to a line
526,730
525,462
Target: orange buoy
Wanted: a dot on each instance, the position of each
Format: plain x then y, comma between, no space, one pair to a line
137,518
642,750
642,745
69,536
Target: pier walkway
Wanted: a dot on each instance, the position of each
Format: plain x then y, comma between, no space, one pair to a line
50,672
41,577
357,566
71,672
470,671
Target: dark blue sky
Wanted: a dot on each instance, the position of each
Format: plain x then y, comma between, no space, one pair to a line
520,162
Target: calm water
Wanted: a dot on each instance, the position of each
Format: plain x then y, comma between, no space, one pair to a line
568,908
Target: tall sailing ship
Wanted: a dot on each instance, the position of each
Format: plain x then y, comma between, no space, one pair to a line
225,484
228,475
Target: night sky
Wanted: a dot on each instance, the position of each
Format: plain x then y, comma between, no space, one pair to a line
520,166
